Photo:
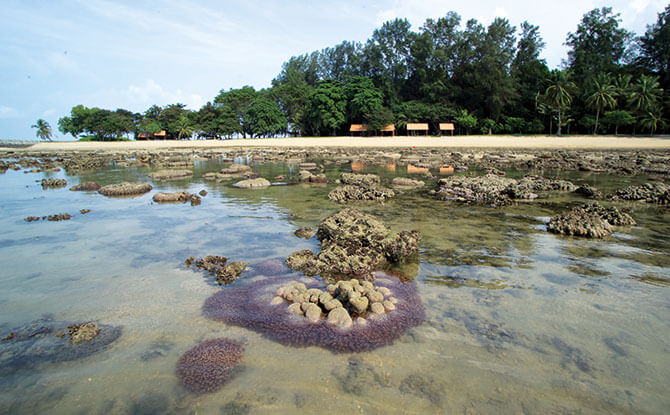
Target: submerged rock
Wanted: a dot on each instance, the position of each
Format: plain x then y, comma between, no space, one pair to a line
170,174
590,220
406,183
236,170
224,271
48,341
125,189
304,232
354,243
308,177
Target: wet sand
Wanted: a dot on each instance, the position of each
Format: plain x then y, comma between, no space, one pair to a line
507,142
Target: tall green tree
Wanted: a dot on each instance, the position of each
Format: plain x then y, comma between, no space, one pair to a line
645,93
528,71
264,118
598,45
326,108
43,130
655,48
239,100
601,95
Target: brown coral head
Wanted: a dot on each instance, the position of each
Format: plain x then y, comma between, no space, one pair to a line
208,366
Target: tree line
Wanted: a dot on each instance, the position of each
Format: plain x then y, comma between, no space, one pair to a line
484,79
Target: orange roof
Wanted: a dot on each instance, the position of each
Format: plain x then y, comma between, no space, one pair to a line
446,126
358,128
389,127
417,126
161,133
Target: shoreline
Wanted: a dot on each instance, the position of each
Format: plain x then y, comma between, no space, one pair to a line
446,142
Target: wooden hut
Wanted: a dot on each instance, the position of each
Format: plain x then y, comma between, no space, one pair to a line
358,128
447,126
388,129
414,128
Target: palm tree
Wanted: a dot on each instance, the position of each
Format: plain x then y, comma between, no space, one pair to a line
651,119
558,95
622,84
603,96
184,128
43,129
645,92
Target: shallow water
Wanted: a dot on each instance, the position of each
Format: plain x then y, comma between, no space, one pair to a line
518,320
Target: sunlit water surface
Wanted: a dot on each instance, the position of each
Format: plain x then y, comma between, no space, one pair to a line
518,320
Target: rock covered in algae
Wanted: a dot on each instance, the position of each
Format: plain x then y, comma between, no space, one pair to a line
224,271
359,187
658,193
304,232
177,197
170,174
589,220
86,187
257,183
255,306
208,366
53,183
47,341
125,189
354,243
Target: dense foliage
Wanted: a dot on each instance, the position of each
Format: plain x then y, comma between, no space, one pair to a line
484,79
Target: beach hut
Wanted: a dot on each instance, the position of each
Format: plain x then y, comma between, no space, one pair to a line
358,128
388,129
447,126
413,128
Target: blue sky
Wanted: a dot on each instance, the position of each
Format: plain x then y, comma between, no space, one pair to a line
132,54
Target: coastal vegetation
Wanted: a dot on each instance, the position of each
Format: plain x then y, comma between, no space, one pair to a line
486,80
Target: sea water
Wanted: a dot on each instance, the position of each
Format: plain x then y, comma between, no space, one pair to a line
518,320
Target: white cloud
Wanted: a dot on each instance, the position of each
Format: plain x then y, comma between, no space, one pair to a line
8,112
151,93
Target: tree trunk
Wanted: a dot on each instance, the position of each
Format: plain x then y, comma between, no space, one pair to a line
595,129
558,132
616,129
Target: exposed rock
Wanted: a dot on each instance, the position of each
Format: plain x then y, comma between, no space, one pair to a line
353,243
86,187
53,183
178,197
308,177
256,183
170,174
125,189
587,191
203,193
219,266
590,220
304,232
339,318
359,187
658,193
84,211
32,219
83,332
236,170
59,217
229,272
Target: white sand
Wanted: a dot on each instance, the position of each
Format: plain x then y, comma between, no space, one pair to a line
511,142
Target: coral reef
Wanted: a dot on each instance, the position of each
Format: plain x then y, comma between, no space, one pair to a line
224,271
256,306
590,220
125,189
48,341
208,366
359,187
85,187
53,183
353,243
170,174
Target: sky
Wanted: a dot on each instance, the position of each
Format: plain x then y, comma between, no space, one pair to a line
55,54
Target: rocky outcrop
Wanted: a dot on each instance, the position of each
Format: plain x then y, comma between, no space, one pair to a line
306,176
658,193
125,189
170,174
304,232
257,183
359,187
225,272
85,187
53,183
178,197
353,243
590,220
403,183
497,190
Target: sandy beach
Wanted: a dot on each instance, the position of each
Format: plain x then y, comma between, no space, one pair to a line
507,142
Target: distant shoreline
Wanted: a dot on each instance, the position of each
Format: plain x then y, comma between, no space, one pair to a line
456,142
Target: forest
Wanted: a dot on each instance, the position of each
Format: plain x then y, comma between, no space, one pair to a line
486,80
